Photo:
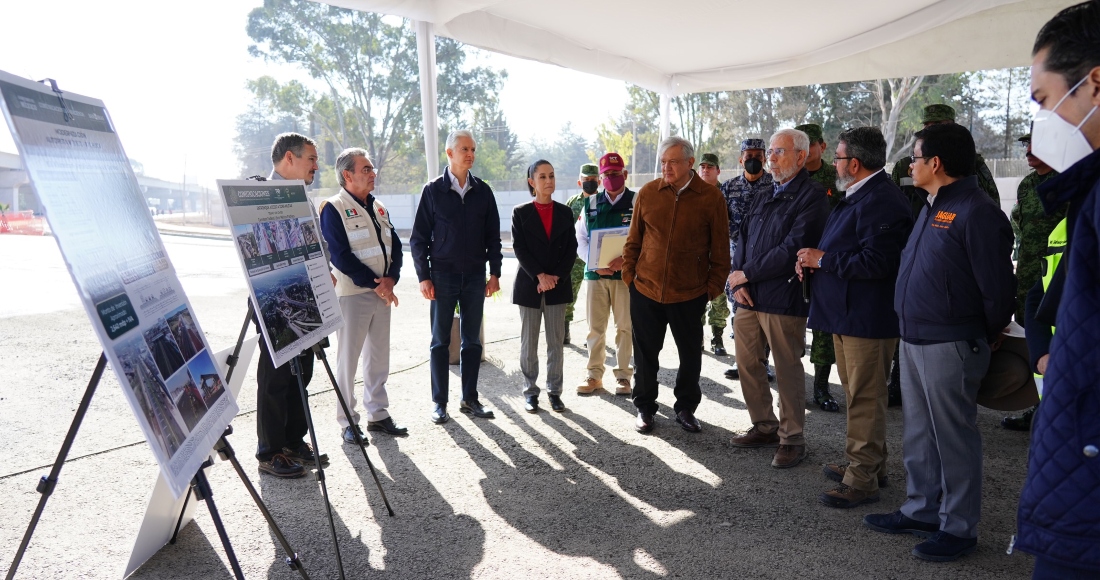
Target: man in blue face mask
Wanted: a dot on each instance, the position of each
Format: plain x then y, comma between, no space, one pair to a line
1059,516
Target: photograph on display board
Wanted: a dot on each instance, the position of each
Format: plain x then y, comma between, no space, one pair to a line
185,332
163,345
246,241
264,242
287,305
206,376
186,396
309,235
153,397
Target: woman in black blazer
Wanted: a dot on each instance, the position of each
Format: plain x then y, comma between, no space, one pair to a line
545,244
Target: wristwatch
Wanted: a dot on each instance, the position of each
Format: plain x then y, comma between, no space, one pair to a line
819,260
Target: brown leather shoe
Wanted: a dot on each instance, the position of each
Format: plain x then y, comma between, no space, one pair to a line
788,456
644,423
755,438
688,422
622,387
836,473
845,497
589,386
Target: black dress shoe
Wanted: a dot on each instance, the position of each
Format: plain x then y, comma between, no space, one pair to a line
439,415
476,409
733,373
556,404
349,435
688,422
532,405
387,426
645,422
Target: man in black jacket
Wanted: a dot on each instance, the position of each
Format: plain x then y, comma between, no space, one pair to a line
955,294
770,308
456,231
853,271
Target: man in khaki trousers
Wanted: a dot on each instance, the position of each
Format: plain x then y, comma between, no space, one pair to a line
612,206
852,274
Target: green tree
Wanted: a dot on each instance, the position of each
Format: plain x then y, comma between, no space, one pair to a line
367,65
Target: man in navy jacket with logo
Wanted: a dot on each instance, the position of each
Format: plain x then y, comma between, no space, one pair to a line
853,271
955,294
456,231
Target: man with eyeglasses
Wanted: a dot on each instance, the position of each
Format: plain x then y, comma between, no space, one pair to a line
938,114
821,349
681,221
770,304
718,310
366,259
739,191
852,273
954,296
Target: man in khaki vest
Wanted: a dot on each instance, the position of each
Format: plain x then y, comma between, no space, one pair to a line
366,261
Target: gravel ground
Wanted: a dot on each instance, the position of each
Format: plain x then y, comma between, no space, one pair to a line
571,495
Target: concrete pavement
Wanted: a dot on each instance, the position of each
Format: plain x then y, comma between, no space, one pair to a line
571,495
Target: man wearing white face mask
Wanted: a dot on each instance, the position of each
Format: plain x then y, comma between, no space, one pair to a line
1060,504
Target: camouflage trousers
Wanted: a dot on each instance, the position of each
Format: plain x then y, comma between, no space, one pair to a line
718,312
821,349
576,276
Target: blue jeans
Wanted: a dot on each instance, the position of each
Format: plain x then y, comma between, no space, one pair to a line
468,292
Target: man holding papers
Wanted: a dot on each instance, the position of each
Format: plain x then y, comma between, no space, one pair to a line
601,233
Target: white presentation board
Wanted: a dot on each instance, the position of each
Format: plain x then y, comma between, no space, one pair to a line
278,241
122,273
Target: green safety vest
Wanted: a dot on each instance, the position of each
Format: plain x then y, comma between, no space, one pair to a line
600,214
1056,245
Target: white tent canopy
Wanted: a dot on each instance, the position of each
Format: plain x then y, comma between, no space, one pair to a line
712,45
715,45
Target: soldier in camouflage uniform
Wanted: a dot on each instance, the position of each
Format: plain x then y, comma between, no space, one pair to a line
822,355
933,115
589,182
1032,226
739,193
718,310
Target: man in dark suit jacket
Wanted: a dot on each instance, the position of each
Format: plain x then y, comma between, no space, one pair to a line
543,240
456,231
853,271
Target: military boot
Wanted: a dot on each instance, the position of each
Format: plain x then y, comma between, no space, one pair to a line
821,389
1021,423
716,341
566,341
893,388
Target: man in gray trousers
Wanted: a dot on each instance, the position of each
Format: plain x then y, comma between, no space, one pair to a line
954,296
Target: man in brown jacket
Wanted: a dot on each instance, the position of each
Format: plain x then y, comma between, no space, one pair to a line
676,260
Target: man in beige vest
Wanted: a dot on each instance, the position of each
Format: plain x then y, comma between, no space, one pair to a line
366,261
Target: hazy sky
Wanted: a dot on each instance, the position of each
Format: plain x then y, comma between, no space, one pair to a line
172,76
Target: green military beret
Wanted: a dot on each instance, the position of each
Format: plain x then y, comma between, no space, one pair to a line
938,114
813,131
1025,138
589,170
710,159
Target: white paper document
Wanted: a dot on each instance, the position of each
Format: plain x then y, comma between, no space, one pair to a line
605,245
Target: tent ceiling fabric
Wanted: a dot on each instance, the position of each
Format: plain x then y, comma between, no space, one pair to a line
737,44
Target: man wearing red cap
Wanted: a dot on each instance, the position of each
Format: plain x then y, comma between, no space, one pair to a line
611,207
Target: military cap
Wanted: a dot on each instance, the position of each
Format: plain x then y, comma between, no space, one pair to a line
709,159
589,170
1025,138
813,131
938,114
753,144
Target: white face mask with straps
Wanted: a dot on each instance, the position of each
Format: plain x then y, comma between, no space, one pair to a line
1054,140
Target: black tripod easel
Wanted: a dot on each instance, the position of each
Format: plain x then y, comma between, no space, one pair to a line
48,483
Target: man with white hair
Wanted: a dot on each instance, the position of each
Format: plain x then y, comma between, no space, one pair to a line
682,222
456,231
366,261
770,304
